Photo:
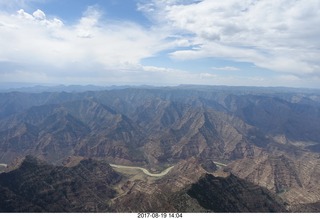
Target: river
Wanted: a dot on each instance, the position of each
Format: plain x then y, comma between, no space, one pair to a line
3,165
145,171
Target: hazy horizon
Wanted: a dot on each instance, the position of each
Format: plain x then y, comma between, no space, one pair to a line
38,87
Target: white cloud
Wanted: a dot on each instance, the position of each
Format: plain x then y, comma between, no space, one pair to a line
38,14
280,35
23,15
92,46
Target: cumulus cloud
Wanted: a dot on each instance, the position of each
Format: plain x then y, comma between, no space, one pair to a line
38,14
279,35
90,48
23,15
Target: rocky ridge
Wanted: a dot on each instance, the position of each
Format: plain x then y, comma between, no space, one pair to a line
92,186
268,137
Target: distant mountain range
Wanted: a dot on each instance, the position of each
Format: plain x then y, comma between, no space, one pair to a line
34,88
267,138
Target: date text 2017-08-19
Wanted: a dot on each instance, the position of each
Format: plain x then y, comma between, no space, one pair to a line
160,215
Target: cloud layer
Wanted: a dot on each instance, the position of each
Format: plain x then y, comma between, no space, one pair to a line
278,36
91,46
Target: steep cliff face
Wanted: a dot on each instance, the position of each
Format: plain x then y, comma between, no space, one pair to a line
38,187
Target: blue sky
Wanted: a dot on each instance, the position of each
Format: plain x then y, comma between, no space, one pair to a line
161,42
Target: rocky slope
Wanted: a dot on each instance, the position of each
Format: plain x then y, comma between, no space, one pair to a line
57,131
295,179
165,131
155,125
92,186
268,137
38,187
232,194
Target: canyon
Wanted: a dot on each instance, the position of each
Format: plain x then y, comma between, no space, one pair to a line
161,149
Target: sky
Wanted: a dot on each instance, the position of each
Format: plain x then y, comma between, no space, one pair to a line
161,42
